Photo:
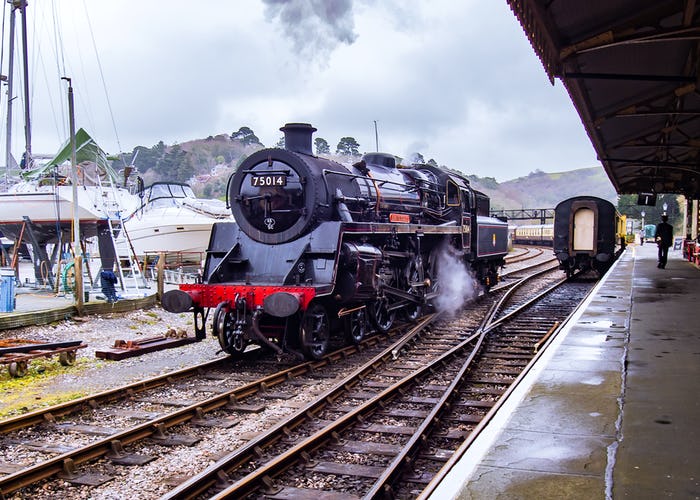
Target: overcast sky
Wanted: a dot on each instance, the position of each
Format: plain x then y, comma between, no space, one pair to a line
456,81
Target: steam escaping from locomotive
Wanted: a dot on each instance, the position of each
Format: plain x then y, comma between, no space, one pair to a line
315,27
457,285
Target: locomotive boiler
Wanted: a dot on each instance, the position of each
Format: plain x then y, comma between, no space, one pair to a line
320,248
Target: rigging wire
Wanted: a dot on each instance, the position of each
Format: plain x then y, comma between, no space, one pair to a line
60,61
102,78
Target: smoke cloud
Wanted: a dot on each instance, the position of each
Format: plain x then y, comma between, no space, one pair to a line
316,27
456,284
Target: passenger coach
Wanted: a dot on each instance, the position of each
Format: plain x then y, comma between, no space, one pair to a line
589,233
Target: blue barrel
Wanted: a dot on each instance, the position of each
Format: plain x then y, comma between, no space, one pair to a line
7,290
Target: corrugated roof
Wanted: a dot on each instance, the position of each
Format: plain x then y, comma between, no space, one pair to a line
631,69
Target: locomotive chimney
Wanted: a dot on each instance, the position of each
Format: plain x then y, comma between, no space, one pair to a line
297,137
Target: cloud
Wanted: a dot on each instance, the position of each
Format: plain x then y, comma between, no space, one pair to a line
455,81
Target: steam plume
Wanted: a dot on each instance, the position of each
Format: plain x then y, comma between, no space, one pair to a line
456,284
315,27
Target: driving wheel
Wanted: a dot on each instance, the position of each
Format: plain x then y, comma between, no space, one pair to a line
315,331
356,326
414,286
380,315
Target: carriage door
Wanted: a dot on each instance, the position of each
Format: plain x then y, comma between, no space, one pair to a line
584,230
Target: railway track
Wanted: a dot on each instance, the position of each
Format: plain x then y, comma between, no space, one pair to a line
521,254
46,432
388,429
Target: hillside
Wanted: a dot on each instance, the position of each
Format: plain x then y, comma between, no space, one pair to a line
207,163
544,190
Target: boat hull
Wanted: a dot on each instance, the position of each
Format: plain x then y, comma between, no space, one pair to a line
51,211
179,237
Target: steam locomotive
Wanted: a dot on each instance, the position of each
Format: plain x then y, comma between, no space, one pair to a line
319,248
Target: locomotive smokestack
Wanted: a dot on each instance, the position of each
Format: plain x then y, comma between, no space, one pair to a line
297,137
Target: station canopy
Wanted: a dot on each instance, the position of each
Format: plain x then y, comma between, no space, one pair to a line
631,69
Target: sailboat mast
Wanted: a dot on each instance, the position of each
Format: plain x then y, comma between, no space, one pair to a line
10,98
27,124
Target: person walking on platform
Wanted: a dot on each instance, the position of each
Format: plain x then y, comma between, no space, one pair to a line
664,238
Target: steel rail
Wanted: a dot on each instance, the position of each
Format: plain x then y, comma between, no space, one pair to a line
538,353
492,322
48,468
208,478
48,414
261,477
382,487
524,256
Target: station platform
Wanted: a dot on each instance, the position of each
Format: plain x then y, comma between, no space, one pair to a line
612,409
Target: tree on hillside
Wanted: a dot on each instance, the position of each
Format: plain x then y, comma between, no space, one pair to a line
175,165
432,162
322,147
280,143
147,158
246,136
348,146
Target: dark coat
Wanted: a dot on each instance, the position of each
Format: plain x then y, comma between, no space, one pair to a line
664,234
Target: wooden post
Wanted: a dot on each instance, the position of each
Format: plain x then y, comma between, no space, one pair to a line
160,272
78,268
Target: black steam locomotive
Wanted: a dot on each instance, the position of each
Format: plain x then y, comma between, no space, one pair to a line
318,248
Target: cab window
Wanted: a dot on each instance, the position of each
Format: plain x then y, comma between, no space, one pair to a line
452,193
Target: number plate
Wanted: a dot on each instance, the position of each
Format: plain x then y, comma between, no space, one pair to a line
268,180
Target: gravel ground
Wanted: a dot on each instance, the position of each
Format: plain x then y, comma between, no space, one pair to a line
48,382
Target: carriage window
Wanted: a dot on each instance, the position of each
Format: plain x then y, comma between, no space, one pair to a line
452,194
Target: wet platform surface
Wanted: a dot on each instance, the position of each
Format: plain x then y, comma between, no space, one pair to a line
613,409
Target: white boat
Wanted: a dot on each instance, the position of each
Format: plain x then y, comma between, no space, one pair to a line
173,220
45,197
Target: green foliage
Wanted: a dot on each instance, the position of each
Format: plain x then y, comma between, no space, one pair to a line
627,205
322,147
175,165
348,146
246,136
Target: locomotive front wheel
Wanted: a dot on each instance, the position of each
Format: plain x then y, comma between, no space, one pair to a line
315,331
222,323
218,322
380,315
356,326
